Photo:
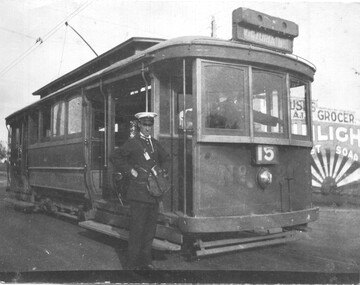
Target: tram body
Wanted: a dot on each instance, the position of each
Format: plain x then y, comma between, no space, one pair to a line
240,163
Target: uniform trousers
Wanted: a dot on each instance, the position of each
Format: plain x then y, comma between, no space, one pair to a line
143,221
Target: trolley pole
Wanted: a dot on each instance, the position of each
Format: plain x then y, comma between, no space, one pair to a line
67,24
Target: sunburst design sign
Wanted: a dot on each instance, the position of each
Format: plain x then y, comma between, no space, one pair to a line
334,168
336,153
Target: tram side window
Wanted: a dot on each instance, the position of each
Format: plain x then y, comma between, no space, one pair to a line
188,119
75,115
224,91
45,124
98,123
16,144
58,119
17,138
268,103
165,105
298,91
33,127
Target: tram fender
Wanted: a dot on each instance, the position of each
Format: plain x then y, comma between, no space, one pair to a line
249,222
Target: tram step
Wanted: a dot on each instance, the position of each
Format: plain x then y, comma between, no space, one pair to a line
220,246
20,205
163,232
67,215
124,235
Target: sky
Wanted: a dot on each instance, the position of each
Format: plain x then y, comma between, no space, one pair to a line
329,37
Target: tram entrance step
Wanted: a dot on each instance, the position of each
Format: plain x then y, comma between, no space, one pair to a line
20,205
220,246
124,235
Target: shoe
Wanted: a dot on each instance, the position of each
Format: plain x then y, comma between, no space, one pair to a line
148,267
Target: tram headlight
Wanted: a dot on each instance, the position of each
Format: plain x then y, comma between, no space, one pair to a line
264,177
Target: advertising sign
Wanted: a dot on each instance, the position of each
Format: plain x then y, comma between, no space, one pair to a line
336,152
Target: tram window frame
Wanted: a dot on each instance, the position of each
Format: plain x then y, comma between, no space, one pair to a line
16,143
179,113
33,126
98,122
45,123
177,93
270,131
223,134
58,120
10,132
305,107
166,106
79,116
170,88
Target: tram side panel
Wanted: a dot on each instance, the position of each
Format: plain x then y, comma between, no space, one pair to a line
58,167
47,160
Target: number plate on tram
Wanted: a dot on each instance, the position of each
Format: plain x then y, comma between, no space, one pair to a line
266,154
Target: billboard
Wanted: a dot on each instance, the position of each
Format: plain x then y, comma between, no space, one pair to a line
336,153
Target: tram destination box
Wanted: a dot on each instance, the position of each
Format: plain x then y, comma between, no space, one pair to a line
263,30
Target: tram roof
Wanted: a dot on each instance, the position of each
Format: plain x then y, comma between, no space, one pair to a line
163,44
81,75
127,50
122,51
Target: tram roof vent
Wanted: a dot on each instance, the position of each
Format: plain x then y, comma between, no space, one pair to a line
260,29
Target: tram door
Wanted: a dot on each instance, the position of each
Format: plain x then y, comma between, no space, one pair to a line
17,157
96,144
181,132
184,128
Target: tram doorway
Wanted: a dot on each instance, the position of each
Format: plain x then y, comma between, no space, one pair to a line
112,123
125,127
18,159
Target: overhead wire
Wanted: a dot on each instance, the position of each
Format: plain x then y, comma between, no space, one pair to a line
40,40
15,32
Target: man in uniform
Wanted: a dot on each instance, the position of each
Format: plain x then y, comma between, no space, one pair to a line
136,158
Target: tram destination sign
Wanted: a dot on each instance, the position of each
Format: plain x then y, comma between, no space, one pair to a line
265,39
264,30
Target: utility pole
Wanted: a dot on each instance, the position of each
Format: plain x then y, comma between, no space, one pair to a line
213,27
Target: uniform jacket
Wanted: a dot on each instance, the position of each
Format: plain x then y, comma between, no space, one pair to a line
138,153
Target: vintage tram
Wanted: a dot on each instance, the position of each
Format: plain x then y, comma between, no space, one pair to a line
240,163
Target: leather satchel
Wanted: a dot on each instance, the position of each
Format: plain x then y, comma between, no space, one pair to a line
158,182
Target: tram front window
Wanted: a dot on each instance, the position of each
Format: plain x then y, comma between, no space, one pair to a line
298,92
224,93
268,102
